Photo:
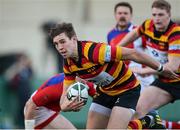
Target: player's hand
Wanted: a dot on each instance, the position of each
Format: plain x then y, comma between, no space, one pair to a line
71,105
169,73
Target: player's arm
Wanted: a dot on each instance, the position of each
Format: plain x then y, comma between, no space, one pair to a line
29,112
40,98
139,57
64,103
173,64
143,58
144,71
130,37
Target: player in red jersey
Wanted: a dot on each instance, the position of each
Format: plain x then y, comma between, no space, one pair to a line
117,87
42,110
162,41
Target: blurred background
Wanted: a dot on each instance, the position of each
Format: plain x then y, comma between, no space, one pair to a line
27,57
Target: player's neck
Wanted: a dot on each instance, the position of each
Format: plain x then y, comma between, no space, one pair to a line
122,28
75,55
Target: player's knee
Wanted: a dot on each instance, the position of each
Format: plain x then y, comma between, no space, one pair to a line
140,111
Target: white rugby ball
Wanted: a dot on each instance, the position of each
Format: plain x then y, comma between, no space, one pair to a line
78,89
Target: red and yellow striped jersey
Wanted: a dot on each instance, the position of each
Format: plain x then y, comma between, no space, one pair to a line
101,64
162,44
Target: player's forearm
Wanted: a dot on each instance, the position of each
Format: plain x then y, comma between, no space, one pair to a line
143,58
150,71
29,115
63,99
64,93
29,110
130,37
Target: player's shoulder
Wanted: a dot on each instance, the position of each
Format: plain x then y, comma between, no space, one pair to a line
56,79
173,29
147,24
131,26
59,77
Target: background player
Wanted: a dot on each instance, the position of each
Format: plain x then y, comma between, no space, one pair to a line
123,13
162,40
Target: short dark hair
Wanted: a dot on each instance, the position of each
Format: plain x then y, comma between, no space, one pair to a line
162,4
126,4
66,28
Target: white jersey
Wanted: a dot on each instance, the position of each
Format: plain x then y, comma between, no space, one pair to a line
116,35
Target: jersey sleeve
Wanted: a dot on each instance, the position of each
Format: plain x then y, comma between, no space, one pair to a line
101,53
174,42
92,88
47,95
143,26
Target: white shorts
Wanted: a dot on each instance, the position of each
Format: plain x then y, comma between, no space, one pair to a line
145,81
103,110
43,116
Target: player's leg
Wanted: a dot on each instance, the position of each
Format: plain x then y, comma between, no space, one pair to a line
120,118
60,122
98,116
151,98
149,119
124,109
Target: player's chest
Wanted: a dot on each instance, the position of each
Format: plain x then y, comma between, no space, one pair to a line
84,67
160,43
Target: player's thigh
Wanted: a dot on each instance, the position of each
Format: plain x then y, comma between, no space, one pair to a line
98,117
124,108
152,98
60,122
120,118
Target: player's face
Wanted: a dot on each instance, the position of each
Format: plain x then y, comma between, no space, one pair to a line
65,46
161,19
123,16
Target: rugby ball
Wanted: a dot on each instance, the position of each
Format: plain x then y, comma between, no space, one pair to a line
78,89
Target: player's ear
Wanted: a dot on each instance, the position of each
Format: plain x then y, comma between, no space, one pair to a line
74,38
169,14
